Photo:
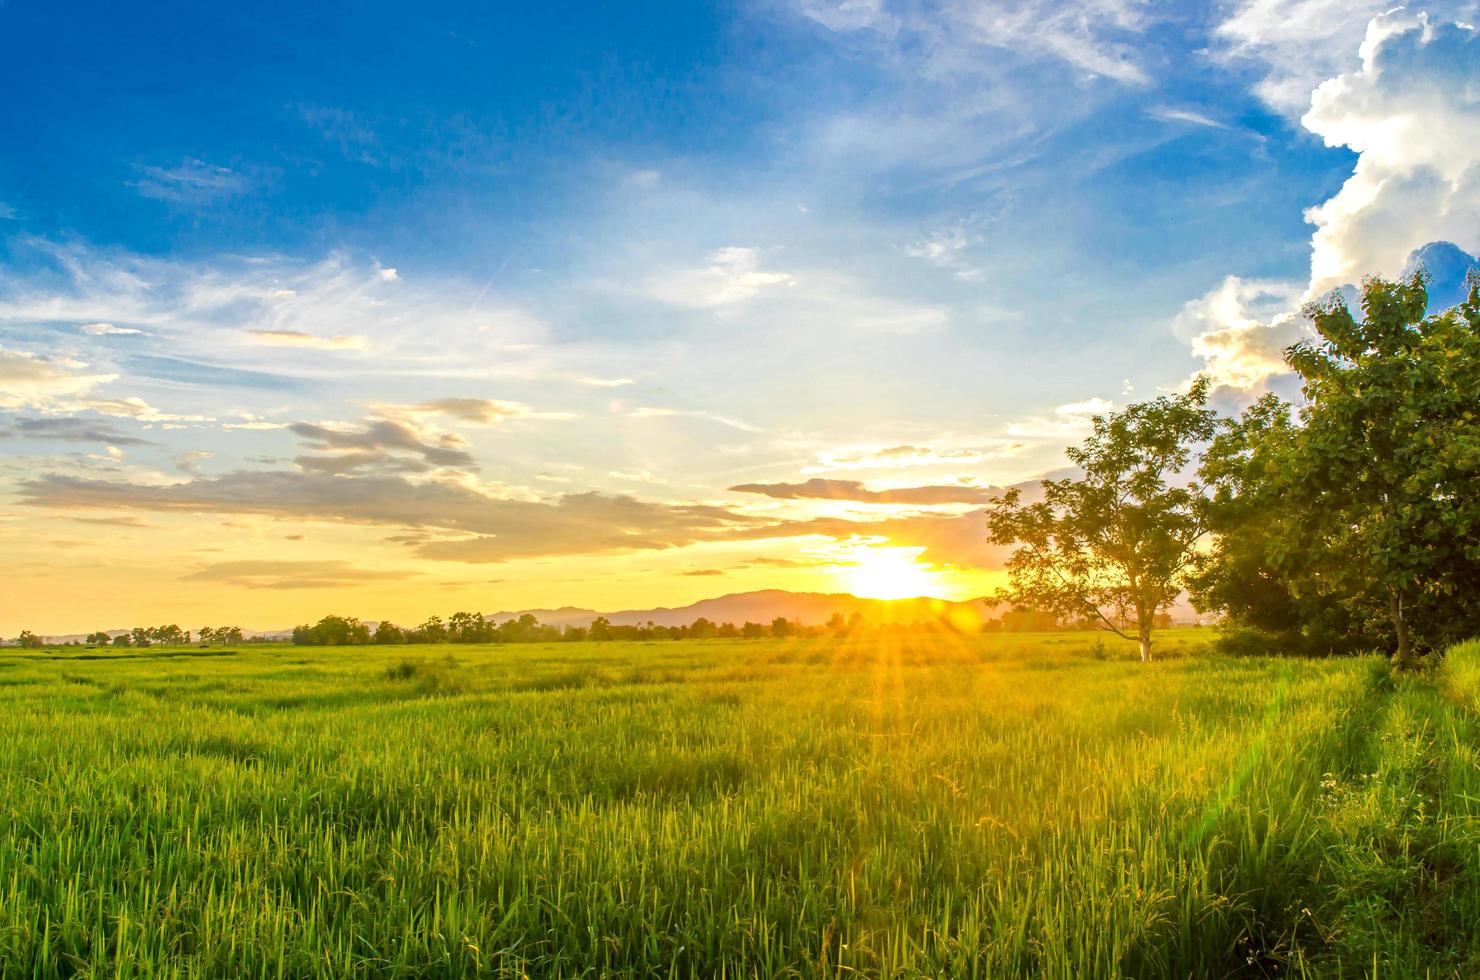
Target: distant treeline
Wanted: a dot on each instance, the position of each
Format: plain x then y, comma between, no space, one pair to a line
147,636
465,627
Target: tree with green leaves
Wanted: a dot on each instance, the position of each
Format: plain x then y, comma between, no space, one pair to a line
1358,520
1113,545
29,641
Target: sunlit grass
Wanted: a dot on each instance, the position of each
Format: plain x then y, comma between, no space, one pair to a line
979,806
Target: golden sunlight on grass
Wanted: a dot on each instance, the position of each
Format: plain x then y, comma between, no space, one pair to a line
889,573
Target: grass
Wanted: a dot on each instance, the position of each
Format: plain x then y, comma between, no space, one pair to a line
979,807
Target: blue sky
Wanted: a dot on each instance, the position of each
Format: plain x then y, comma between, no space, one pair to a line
621,258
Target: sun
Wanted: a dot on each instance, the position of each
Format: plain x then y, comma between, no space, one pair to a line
889,573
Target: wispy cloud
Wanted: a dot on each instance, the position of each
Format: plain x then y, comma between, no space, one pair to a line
192,182
300,338
476,411
732,275
71,430
1095,37
292,574
109,330
856,492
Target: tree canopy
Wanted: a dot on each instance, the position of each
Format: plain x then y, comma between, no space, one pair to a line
1114,544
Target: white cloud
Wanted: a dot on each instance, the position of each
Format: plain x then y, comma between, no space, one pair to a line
733,275
1410,110
260,312
475,411
7,213
1173,114
108,330
28,381
192,182
946,249
1412,114
658,412
300,338
1093,36
1241,329
1085,409
850,15
642,180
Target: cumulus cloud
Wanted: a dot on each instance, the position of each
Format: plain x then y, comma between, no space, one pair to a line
1410,109
853,490
1297,43
291,574
1412,115
1241,329
733,275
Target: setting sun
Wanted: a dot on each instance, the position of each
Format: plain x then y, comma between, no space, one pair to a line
890,573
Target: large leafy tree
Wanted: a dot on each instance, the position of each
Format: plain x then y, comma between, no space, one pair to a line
1364,516
1114,545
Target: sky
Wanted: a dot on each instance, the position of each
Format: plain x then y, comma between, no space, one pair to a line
390,310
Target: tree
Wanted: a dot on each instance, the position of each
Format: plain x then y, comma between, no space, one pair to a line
781,626
387,633
100,638
29,640
432,631
141,636
1363,517
752,631
601,628
333,631
123,640
1114,545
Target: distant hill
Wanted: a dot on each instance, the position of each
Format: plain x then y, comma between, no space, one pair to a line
809,608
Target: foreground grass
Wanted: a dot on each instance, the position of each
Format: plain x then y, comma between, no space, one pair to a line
975,807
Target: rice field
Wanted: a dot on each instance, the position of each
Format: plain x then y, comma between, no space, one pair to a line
1011,805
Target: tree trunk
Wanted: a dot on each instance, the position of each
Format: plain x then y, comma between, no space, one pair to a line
1404,659
1145,646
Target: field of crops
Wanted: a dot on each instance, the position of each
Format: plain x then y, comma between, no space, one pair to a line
986,806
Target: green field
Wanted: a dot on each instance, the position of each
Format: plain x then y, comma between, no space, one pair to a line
986,806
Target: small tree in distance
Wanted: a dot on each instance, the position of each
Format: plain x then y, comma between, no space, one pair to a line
1115,545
